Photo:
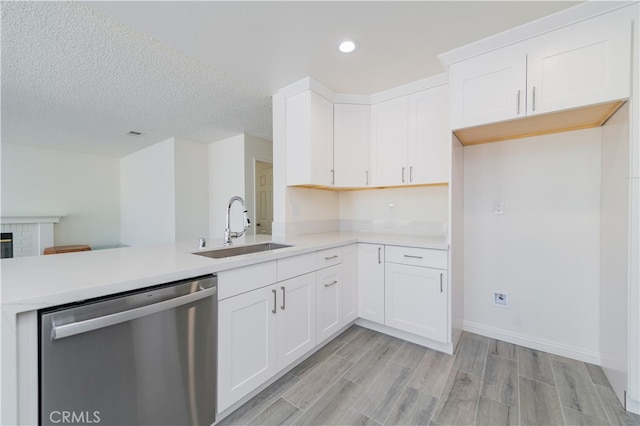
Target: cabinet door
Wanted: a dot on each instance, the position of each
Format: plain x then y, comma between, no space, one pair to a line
587,63
416,300
371,282
389,138
351,139
329,307
296,318
309,136
246,344
489,87
429,136
349,283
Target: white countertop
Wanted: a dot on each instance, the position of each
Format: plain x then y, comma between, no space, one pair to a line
30,283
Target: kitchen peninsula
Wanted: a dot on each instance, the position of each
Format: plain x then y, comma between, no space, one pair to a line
34,283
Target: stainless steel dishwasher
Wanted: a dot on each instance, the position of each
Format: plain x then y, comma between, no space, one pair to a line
145,357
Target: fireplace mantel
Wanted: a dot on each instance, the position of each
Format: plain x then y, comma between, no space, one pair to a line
31,234
30,219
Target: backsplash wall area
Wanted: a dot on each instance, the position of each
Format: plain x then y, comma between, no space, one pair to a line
420,210
409,210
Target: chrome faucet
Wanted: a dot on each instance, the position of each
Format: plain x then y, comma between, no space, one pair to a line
228,234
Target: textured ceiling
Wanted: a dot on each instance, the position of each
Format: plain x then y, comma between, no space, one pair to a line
78,76
75,80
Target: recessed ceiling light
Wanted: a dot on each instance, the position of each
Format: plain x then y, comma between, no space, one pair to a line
348,46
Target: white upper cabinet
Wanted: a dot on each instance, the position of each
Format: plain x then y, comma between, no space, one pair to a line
402,140
309,136
410,139
584,64
580,65
389,140
351,144
489,88
429,149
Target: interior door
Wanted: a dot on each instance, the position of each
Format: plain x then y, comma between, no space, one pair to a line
264,197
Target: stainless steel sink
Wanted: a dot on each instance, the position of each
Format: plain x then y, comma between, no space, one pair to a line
236,251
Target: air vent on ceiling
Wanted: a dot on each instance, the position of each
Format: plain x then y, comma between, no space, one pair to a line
134,133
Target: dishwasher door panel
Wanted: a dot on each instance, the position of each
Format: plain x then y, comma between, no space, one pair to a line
157,369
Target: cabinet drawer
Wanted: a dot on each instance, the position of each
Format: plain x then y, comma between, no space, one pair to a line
247,278
329,257
416,256
294,266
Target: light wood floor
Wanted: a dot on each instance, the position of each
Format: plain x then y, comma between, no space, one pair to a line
368,378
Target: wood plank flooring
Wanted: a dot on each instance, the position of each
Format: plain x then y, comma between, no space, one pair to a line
367,378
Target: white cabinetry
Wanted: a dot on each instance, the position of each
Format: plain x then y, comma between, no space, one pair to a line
371,282
410,139
583,64
352,126
389,139
261,330
349,283
246,344
329,292
296,318
309,136
415,295
429,148
489,88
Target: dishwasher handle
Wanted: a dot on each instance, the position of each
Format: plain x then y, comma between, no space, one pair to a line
67,330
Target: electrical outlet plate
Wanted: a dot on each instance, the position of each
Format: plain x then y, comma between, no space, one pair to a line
498,207
500,299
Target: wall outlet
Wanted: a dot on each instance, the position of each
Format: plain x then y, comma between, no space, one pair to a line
498,207
295,210
500,299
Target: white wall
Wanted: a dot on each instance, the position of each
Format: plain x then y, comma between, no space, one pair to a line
226,179
544,252
83,188
414,210
614,254
147,195
280,202
456,238
192,190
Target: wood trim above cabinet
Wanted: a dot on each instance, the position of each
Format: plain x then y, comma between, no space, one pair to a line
556,122
342,188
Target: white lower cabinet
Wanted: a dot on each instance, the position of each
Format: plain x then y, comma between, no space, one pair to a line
329,293
349,283
246,344
416,300
371,282
261,332
296,318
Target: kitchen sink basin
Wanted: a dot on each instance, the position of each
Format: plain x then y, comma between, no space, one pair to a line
236,251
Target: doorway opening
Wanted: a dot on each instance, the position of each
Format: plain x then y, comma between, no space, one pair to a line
263,196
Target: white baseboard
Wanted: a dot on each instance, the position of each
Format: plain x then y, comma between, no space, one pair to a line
633,405
533,343
423,341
